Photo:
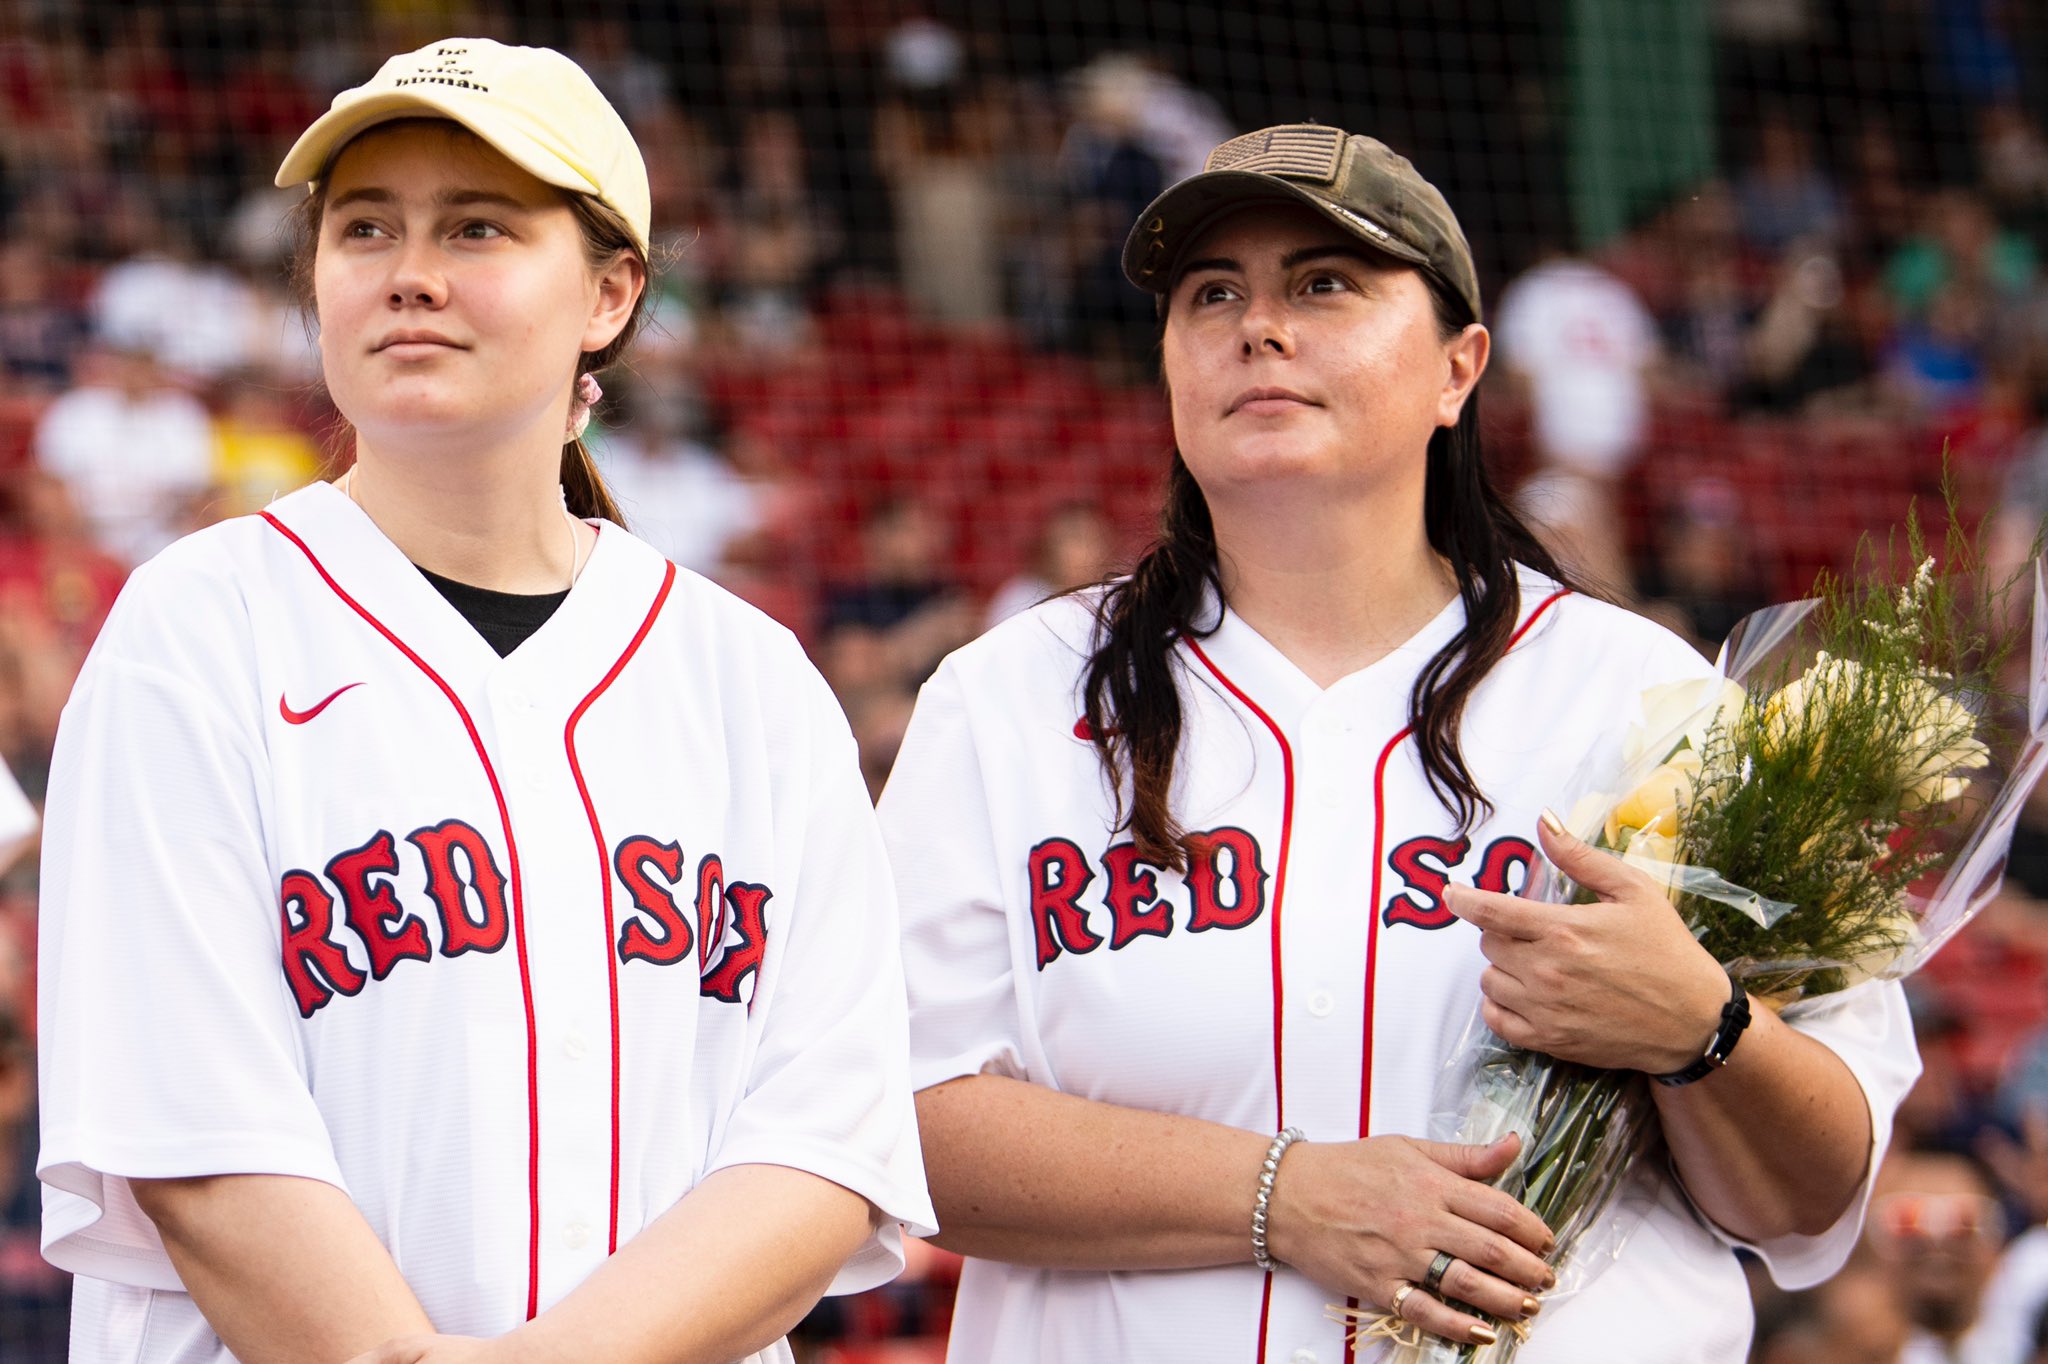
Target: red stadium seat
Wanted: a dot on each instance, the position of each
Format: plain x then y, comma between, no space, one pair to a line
18,418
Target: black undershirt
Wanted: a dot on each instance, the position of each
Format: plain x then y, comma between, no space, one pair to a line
504,619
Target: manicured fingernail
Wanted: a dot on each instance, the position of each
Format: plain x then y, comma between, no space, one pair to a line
1552,822
1530,1307
1485,1335
1550,1279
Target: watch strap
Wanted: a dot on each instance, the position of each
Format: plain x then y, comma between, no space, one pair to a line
1734,1018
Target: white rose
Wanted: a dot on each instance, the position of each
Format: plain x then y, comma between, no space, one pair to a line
1681,710
1905,937
1944,742
1807,703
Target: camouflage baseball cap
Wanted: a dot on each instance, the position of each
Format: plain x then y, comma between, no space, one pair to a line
1357,182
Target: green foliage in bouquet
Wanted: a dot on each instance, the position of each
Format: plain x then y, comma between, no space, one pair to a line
1796,817
1831,793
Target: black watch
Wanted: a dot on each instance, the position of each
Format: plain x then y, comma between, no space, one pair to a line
1734,1018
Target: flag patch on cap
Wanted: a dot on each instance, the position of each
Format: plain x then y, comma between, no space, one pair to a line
1300,151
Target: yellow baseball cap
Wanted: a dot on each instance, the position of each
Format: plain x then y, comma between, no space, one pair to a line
532,104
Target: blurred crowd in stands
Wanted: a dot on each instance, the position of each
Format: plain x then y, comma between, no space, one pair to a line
898,390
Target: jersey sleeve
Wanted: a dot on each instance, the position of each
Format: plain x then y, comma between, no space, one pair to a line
1868,1027
957,959
829,1090
168,1044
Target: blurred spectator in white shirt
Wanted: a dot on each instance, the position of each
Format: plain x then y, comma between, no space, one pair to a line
680,496
197,318
1582,345
716,505
136,450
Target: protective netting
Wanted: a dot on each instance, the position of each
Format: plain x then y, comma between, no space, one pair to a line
1752,266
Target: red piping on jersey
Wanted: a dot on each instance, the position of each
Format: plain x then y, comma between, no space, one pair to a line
1279,895
518,913
604,873
1372,931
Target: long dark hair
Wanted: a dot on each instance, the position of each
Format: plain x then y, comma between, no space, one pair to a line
606,237
1132,691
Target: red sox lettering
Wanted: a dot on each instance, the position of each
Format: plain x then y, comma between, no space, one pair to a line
357,898
739,908
1226,887
1426,866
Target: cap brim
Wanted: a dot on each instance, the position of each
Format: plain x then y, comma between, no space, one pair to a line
1163,231
309,157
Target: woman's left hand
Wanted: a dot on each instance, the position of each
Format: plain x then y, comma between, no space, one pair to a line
438,1350
1619,983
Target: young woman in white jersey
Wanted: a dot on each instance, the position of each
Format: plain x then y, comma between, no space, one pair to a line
465,935
1203,874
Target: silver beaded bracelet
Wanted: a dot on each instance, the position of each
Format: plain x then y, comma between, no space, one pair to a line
1267,1173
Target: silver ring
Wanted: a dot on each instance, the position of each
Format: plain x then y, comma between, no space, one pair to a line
1400,1296
1433,1281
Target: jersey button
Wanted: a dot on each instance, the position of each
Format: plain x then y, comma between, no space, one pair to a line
1302,1356
575,1047
1331,795
1320,1003
576,1235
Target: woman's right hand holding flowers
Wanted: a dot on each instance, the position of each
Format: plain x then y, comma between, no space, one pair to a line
1365,1218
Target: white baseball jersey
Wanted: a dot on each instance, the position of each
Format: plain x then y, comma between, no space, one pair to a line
514,951
1305,973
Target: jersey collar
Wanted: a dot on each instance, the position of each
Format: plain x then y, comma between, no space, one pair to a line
586,632
1286,693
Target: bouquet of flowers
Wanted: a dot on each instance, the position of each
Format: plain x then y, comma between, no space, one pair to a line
1830,809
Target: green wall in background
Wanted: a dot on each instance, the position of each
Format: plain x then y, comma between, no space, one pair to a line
1641,101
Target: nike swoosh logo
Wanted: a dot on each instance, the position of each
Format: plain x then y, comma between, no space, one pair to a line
299,717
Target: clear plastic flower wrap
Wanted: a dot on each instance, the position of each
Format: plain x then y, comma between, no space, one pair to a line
1829,809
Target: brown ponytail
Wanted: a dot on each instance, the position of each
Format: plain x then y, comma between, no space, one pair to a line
1132,693
583,488
605,238
1132,686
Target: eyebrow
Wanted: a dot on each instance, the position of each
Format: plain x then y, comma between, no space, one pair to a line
455,198
1297,257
